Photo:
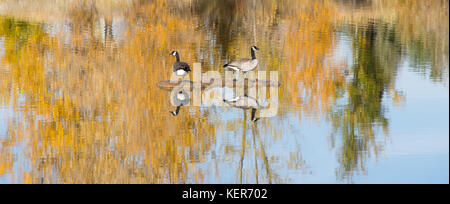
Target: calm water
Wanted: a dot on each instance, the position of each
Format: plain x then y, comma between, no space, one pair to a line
364,95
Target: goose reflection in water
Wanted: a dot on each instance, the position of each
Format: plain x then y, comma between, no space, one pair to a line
246,102
217,95
179,97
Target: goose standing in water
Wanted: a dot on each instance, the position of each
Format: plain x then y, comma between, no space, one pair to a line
244,65
245,102
180,68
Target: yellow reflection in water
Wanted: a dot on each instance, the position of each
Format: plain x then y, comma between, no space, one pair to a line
81,80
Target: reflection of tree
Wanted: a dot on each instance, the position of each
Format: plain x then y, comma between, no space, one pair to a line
355,4
429,58
122,134
221,18
72,134
259,153
377,55
232,26
16,34
422,27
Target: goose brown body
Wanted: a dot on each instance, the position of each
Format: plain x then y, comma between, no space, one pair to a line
244,64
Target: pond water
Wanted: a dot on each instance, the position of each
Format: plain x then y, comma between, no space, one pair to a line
363,95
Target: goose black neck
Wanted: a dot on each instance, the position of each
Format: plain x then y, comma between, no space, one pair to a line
177,56
253,54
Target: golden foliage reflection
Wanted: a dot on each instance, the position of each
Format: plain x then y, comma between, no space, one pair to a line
81,79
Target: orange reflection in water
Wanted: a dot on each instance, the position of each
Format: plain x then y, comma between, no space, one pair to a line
81,83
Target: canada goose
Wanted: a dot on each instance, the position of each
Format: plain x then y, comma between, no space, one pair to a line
245,102
244,65
180,68
180,99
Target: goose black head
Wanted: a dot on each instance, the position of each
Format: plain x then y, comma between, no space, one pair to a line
175,53
255,48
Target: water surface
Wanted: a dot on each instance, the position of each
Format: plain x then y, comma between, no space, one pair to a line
364,95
